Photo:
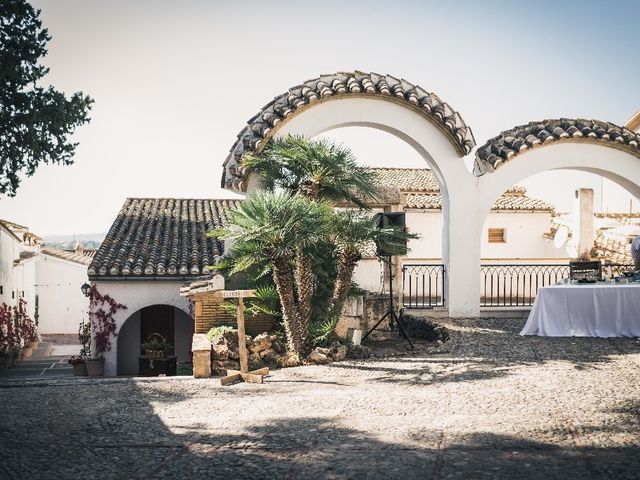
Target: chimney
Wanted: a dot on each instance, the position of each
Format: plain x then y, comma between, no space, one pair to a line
585,230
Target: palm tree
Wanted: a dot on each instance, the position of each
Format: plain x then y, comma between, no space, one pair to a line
271,227
354,234
318,169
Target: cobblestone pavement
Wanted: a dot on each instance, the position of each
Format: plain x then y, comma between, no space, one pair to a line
489,404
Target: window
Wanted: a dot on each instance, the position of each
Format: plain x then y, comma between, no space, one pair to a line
1,290
497,235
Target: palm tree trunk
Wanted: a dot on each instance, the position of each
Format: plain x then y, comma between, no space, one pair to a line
304,281
283,280
346,265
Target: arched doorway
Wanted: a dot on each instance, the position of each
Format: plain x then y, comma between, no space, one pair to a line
175,325
599,148
420,118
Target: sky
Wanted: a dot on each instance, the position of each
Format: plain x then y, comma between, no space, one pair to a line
174,83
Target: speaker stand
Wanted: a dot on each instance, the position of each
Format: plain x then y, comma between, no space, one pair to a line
391,311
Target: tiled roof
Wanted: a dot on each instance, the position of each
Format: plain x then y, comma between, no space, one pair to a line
261,127
512,200
415,181
81,258
13,226
612,250
510,143
406,179
163,237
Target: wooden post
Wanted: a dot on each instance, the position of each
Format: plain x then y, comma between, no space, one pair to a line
242,344
244,375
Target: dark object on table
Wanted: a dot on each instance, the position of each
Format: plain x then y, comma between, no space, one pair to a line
585,272
153,367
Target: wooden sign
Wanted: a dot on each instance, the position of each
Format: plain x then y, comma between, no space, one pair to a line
243,375
236,293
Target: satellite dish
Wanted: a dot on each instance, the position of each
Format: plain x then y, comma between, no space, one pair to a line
561,237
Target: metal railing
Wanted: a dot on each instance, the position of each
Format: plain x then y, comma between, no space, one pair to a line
613,270
517,285
423,286
506,285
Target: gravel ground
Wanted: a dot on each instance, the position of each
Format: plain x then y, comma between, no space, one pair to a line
488,404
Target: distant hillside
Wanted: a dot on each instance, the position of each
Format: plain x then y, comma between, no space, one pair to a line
68,242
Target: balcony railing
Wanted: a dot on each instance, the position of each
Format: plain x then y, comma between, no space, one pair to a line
506,285
423,286
517,285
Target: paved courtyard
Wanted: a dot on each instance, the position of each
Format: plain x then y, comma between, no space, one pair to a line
489,404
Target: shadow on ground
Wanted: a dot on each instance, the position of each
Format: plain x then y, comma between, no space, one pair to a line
114,439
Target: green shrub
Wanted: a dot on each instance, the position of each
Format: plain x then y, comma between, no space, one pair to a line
215,332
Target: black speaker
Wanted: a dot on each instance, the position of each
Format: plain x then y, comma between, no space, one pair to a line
395,220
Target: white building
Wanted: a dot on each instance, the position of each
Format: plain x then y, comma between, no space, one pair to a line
515,231
154,247
47,279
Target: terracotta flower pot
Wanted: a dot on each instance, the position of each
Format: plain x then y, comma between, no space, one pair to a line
95,367
13,358
80,370
33,344
26,352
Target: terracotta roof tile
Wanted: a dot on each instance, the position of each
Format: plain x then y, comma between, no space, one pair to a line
81,258
414,181
406,179
162,237
612,250
511,142
509,201
261,126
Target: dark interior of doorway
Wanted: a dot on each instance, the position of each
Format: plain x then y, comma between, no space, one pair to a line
158,319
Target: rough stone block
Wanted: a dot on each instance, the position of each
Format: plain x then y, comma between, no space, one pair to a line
201,348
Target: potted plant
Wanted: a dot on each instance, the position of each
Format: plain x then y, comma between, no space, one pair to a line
156,346
4,360
79,365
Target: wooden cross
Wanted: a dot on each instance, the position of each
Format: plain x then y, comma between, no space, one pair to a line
243,375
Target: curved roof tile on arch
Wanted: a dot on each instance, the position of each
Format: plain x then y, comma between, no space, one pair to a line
261,127
162,237
519,139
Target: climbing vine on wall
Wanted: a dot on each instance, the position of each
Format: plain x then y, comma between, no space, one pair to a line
102,309
16,328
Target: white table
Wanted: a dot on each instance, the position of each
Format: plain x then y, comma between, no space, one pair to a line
591,310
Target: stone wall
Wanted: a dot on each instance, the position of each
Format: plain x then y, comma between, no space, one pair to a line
363,312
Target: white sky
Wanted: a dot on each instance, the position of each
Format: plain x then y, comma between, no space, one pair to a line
174,82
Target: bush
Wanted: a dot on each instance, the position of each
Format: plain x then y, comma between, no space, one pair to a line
424,329
215,332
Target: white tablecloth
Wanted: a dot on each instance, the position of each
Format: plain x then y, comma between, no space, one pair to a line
592,310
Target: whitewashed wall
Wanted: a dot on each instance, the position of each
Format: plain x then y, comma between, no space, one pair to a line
524,237
61,303
24,279
9,251
137,294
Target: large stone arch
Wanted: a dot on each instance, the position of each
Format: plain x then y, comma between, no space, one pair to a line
592,146
396,106
339,86
586,145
